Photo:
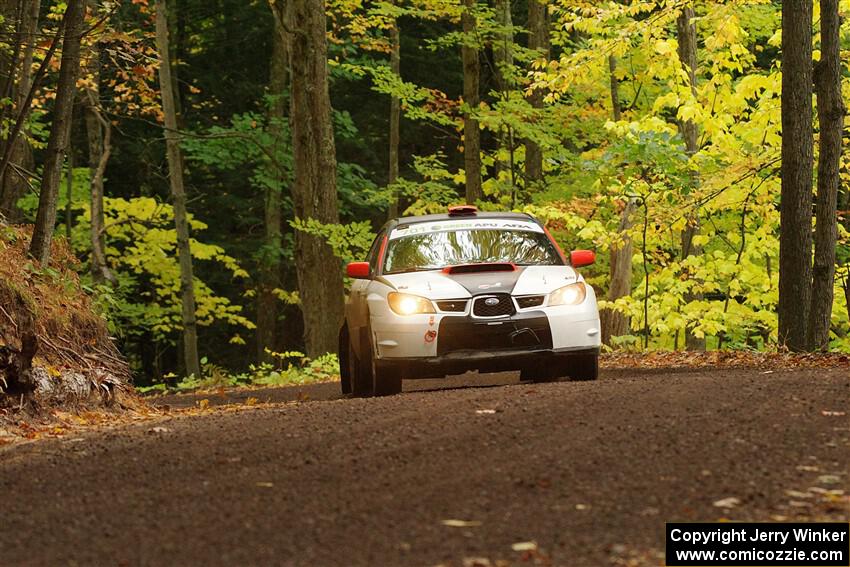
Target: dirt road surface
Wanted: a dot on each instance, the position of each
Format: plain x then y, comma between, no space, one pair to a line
566,474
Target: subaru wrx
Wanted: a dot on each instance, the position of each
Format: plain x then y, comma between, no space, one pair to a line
467,290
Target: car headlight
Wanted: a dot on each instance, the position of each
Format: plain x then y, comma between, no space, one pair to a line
572,294
406,304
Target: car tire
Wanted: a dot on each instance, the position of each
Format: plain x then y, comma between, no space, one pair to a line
584,367
361,375
387,379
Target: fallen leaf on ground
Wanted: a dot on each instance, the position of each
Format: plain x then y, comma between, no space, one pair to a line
265,484
829,479
730,502
461,523
524,546
798,494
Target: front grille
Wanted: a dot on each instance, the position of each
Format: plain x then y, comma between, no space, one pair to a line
525,332
453,305
501,307
530,301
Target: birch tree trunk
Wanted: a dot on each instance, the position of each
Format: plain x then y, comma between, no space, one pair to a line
60,130
178,194
472,98
795,235
827,81
314,191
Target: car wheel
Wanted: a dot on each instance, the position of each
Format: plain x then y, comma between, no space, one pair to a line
361,375
387,380
584,367
344,355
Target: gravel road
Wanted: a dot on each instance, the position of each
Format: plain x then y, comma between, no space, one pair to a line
439,475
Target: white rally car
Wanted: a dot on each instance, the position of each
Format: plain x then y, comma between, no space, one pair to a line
467,290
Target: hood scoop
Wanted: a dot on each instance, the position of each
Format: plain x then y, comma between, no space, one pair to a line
480,268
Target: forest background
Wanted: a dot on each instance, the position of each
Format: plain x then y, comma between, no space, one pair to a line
277,138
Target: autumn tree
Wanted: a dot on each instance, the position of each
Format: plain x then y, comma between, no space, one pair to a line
18,83
795,236
73,25
614,322
270,260
827,81
178,194
687,39
538,40
314,190
99,134
395,114
471,98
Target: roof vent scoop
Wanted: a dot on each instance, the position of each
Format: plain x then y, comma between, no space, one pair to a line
463,211
478,268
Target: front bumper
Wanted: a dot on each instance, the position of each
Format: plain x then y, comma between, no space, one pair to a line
483,361
442,336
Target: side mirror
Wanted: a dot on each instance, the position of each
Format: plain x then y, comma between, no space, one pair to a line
358,270
579,258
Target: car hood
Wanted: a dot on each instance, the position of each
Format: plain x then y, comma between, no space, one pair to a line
527,280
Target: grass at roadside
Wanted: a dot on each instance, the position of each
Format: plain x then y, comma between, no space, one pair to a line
284,369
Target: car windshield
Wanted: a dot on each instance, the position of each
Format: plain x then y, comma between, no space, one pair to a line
435,250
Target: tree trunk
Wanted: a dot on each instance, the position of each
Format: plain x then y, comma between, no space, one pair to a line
8,200
472,98
616,110
503,60
795,235
687,37
503,56
827,80
60,130
13,184
270,266
178,194
99,132
616,323
69,194
11,12
395,116
314,192
538,40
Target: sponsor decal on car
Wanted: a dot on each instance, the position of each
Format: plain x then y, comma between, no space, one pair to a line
453,225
